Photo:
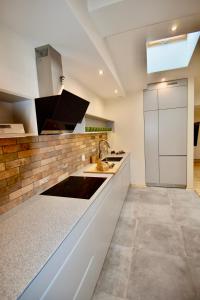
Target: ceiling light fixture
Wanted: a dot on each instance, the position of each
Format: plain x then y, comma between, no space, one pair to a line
100,72
174,27
116,91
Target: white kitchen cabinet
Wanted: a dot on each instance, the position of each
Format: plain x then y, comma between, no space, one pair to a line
72,272
172,97
151,147
173,170
173,131
150,100
166,133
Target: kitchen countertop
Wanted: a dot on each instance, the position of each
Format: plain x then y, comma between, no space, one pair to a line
33,231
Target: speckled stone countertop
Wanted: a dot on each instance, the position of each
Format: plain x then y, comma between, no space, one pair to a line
32,232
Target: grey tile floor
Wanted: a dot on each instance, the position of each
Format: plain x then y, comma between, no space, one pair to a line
155,250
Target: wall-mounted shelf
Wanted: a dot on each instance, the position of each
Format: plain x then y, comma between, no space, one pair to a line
97,129
10,96
17,108
98,124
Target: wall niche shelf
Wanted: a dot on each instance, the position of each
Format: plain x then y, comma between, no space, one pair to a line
98,124
17,109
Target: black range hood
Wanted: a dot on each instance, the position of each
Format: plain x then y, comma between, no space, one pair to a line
59,113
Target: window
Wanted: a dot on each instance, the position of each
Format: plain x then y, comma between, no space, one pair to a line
171,53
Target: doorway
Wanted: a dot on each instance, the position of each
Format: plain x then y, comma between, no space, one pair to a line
197,137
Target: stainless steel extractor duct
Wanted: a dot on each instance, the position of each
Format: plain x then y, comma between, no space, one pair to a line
49,71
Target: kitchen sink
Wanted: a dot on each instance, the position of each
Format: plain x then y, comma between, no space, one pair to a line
112,158
76,187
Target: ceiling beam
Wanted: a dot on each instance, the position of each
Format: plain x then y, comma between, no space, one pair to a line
80,10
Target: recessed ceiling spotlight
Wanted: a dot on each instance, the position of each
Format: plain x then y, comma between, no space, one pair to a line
116,91
163,79
100,72
174,27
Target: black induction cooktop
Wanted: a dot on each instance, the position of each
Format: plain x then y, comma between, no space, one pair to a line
76,187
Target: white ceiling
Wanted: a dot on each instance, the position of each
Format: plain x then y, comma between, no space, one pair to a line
131,46
133,14
107,34
52,22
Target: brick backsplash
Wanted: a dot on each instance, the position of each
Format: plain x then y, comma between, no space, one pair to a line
30,165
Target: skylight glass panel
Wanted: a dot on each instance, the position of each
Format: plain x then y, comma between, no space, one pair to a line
171,53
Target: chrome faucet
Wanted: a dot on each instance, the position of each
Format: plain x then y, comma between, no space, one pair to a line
107,144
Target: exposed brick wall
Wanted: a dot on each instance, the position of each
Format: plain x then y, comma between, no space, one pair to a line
30,165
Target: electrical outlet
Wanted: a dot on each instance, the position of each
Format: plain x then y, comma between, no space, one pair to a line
83,157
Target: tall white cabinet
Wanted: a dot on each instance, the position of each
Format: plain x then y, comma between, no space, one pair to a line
165,115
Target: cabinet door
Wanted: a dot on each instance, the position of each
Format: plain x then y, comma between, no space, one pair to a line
173,170
172,97
151,147
150,100
173,131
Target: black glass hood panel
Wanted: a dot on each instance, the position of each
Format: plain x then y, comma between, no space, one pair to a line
76,187
60,112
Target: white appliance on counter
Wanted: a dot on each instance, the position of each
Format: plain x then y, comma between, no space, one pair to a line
165,115
11,128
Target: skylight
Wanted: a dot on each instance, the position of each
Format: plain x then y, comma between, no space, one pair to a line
96,4
171,53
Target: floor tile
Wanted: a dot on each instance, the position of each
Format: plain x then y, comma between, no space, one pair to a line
189,216
153,213
160,268
127,209
194,266
114,276
125,232
118,258
191,240
104,296
164,238
150,196
156,276
184,198
159,190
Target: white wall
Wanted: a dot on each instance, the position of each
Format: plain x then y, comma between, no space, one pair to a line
17,61
6,112
97,105
129,132
18,74
197,90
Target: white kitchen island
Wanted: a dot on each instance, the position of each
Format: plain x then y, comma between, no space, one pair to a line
54,247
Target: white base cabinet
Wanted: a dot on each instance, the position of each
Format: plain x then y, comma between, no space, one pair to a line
72,272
